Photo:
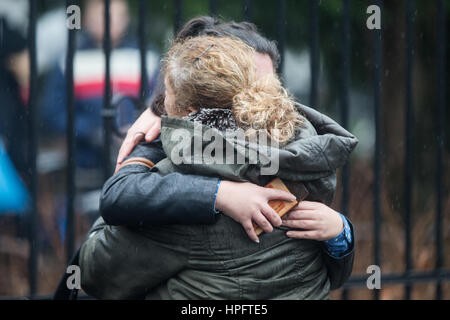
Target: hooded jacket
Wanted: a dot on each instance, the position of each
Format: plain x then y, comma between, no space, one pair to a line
219,261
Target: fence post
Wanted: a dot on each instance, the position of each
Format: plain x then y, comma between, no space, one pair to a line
440,136
281,32
314,52
409,139
71,152
178,16
248,10
107,110
213,8
345,104
377,88
142,34
33,222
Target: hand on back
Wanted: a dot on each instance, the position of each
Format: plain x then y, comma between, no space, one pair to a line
147,126
247,203
314,221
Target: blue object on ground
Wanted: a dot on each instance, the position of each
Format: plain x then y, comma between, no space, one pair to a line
14,196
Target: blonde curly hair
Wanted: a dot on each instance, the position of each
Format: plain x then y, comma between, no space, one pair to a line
210,72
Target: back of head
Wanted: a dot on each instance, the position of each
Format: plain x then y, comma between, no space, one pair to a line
208,72
199,26
247,32
209,26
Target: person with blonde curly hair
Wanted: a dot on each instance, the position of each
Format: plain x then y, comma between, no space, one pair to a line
217,193
212,83
203,72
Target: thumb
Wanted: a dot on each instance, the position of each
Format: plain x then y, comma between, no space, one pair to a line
274,194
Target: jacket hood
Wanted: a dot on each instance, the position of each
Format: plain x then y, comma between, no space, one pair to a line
319,148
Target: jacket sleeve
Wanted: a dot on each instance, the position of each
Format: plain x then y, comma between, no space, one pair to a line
137,196
340,268
120,263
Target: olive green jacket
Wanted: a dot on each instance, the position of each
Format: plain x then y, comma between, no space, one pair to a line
219,261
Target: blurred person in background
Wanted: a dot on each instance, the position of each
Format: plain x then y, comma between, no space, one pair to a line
14,77
89,77
89,84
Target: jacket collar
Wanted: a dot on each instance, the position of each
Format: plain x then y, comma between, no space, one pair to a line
318,149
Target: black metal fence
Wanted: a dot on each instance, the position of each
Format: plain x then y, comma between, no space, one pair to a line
408,278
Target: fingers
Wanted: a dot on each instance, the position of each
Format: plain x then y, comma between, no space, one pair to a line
248,226
296,214
125,149
262,222
154,131
301,224
311,235
131,140
274,194
271,215
308,205
147,124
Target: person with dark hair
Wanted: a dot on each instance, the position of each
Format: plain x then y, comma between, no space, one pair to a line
213,83
149,123
232,197
245,31
267,58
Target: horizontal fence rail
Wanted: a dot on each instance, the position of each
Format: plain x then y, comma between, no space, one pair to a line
407,278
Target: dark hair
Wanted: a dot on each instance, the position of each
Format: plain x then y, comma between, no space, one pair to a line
245,31
210,26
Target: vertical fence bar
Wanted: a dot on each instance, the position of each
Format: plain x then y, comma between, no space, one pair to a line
314,51
70,187
33,222
107,110
377,96
345,103
142,35
344,94
248,10
178,16
281,32
441,42
213,8
409,131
